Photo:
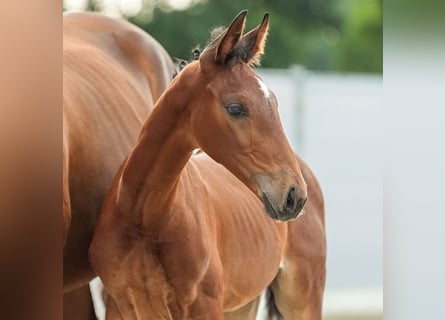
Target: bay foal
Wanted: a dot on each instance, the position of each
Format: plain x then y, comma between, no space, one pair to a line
184,236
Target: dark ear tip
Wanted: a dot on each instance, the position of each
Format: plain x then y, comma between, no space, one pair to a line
240,17
242,14
266,16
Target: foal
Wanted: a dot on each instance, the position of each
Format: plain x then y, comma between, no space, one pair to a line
186,237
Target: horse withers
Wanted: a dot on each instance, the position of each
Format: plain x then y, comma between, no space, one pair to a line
183,236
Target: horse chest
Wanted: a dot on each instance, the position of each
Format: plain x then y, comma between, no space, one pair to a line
249,271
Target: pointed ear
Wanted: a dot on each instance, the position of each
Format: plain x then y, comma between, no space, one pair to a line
252,43
229,38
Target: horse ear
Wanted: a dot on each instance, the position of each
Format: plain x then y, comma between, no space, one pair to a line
230,37
252,43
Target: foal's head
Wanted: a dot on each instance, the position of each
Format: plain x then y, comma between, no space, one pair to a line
234,119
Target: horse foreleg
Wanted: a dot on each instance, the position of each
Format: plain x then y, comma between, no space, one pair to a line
299,293
247,312
298,288
78,305
112,312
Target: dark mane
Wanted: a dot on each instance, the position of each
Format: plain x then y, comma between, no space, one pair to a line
182,63
196,52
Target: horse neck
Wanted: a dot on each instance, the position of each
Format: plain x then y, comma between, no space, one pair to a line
151,173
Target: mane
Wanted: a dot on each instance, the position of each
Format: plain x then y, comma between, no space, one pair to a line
196,51
182,63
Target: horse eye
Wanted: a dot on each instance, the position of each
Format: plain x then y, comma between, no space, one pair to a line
236,110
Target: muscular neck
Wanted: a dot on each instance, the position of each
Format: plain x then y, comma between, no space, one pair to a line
151,173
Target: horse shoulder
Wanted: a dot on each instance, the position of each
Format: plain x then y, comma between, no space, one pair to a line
306,235
314,190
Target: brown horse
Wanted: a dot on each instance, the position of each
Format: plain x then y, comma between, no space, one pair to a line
184,236
113,73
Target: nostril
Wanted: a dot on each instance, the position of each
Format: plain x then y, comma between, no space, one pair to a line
291,200
301,202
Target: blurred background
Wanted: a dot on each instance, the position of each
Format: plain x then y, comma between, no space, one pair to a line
323,60
337,35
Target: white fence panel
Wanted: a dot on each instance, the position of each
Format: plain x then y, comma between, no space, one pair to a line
335,122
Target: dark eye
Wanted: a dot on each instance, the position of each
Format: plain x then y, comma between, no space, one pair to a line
236,110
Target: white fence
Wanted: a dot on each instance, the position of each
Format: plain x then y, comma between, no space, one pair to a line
335,122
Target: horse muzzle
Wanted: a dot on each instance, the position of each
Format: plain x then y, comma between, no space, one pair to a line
291,207
284,195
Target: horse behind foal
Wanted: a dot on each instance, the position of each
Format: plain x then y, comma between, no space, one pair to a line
113,73
186,237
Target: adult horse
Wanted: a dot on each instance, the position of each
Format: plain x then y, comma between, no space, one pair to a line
187,237
113,73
